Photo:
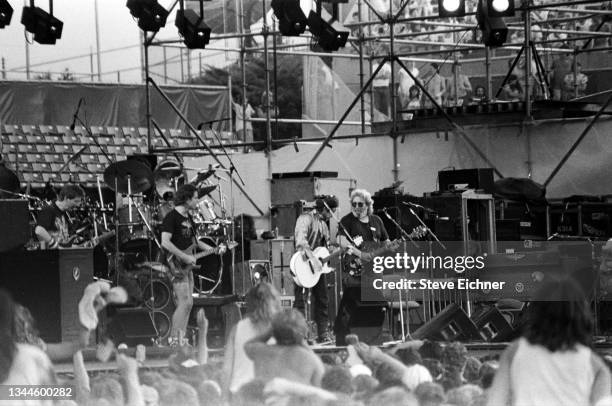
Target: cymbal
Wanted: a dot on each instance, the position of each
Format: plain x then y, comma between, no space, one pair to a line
168,175
8,180
205,190
140,176
202,176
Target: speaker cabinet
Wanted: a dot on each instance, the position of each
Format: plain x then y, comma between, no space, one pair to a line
451,324
278,252
14,223
492,325
50,284
132,326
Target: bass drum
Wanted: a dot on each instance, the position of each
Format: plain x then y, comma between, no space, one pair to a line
209,275
135,240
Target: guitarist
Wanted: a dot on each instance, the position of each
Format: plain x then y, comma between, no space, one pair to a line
362,226
312,231
53,228
179,239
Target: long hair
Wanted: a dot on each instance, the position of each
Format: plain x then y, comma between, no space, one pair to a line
183,194
367,198
560,317
7,334
262,302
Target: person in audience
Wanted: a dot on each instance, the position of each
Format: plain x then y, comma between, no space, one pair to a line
575,88
414,98
480,95
263,304
244,127
552,362
338,379
435,86
290,357
465,395
463,89
20,363
561,66
430,394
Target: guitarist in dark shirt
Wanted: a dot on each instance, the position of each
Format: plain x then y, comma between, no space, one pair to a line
53,227
362,226
179,240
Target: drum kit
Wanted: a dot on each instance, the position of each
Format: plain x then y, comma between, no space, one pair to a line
143,199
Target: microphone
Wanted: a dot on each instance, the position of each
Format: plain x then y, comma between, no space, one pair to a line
76,113
212,121
418,206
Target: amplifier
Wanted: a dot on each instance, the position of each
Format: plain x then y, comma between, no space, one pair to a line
589,219
478,178
14,223
523,274
50,284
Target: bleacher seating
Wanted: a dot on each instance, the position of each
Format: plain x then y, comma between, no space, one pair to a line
37,152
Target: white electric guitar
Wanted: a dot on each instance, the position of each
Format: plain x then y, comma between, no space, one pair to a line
304,271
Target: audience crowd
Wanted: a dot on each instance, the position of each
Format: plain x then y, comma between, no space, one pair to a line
267,361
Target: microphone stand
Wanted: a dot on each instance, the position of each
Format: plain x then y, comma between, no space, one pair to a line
405,235
88,129
435,237
232,170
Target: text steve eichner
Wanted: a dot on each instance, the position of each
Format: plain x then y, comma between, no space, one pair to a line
429,284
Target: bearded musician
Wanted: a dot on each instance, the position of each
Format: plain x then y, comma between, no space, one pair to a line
362,226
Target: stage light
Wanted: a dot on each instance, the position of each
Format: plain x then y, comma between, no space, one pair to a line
451,8
331,35
46,28
150,14
6,13
193,29
500,8
494,30
291,19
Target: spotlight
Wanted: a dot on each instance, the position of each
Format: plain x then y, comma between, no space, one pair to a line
494,30
6,13
331,34
46,28
193,29
150,14
451,8
500,8
291,19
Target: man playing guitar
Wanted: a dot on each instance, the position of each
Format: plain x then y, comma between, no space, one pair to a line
312,231
53,222
179,239
362,226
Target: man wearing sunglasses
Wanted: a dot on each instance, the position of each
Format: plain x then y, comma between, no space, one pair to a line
312,231
362,226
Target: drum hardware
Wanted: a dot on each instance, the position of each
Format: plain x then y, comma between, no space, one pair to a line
168,176
131,177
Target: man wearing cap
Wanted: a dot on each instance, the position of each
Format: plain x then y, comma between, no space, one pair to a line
312,231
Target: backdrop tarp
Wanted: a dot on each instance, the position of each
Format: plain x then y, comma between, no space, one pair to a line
54,103
421,156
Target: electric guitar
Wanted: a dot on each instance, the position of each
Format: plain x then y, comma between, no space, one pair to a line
304,272
179,269
353,265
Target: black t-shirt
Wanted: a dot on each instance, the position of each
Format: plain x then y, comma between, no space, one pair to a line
181,228
373,230
55,221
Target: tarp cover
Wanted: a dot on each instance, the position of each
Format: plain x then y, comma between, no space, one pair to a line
54,103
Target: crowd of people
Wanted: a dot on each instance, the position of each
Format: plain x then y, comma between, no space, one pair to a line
267,361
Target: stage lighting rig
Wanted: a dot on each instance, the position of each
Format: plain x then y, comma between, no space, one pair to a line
451,8
494,29
46,28
191,26
291,19
330,34
6,13
150,14
500,8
